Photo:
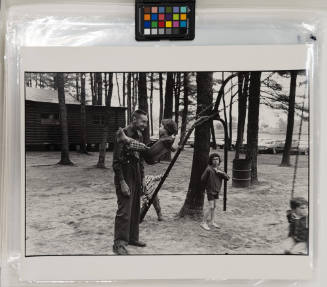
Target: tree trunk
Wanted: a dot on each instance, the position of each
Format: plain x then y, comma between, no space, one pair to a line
103,145
177,96
231,117
161,98
134,93
77,86
98,85
124,90
35,79
129,97
253,123
243,81
136,90
143,101
175,76
225,109
105,83
110,89
55,87
290,121
186,84
94,99
168,111
118,93
151,105
63,120
43,83
193,204
83,115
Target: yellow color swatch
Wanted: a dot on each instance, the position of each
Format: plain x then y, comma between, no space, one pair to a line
169,24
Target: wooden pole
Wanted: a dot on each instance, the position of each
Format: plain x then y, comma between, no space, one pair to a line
225,160
200,121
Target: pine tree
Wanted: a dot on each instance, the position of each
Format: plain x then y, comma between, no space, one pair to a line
193,204
253,123
65,160
290,121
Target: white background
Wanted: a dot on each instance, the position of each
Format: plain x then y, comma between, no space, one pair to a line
213,58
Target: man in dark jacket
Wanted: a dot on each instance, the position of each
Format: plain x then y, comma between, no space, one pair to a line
129,182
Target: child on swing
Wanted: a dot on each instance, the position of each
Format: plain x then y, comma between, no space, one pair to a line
297,241
168,141
212,180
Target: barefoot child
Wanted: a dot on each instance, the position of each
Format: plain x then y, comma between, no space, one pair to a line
212,179
297,241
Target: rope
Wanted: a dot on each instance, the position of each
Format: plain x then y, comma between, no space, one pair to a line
297,155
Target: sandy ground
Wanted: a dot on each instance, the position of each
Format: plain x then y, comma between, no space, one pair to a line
71,209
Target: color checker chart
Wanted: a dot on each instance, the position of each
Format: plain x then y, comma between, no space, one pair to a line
165,20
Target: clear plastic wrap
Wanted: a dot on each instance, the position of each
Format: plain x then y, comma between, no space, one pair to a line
2,128
111,24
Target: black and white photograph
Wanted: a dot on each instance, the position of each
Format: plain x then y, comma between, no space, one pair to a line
167,163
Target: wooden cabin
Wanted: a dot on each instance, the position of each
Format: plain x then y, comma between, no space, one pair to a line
42,121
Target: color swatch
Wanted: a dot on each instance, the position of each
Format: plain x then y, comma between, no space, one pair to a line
165,21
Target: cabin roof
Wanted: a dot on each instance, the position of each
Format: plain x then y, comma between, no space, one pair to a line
48,96
51,96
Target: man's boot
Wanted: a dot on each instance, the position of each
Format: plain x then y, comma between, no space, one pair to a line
119,248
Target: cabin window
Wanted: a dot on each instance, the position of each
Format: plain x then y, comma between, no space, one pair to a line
50,119
98,120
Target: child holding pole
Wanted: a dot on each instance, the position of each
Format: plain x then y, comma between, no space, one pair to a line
212,179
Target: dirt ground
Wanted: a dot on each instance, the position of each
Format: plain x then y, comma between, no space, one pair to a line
71,209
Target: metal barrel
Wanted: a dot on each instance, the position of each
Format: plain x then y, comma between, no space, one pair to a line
241,173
